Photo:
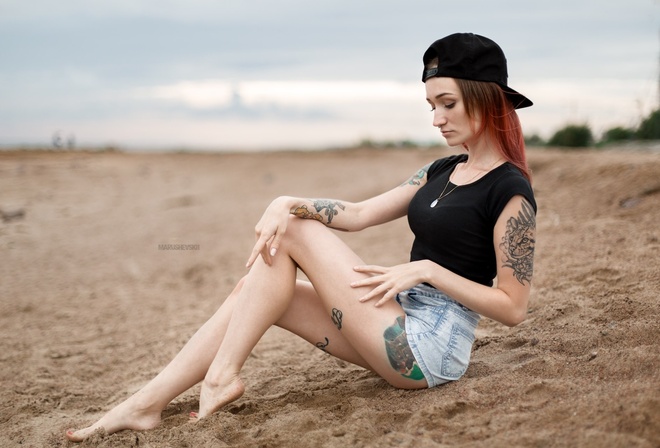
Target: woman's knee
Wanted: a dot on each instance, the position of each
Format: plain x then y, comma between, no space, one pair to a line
303,230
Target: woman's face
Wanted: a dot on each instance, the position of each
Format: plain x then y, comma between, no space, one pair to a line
449,113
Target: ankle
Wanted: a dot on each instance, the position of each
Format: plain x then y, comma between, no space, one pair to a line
220,380
145,404
219,375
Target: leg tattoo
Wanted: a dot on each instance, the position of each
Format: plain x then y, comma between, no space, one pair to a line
336,317
322,346
398,351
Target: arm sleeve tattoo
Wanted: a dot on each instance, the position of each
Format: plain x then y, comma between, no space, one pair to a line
518,243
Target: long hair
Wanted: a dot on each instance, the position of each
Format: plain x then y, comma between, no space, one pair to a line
499,120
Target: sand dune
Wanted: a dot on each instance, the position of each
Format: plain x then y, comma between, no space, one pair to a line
91,308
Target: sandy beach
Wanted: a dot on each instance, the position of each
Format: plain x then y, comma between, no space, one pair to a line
93,305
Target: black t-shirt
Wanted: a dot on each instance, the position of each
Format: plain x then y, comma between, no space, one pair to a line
458,232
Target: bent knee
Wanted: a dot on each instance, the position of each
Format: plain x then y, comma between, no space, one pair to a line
300,229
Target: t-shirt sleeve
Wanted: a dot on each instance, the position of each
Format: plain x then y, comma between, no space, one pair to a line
506,188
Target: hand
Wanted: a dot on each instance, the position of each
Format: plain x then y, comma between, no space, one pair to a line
269,231
388,282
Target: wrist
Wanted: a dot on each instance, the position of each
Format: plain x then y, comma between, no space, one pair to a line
429,272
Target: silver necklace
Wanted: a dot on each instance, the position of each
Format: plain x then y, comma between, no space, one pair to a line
443,195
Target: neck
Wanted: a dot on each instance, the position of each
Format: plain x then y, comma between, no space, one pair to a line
482,157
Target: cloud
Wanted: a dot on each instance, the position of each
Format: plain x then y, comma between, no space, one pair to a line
292,64
210,93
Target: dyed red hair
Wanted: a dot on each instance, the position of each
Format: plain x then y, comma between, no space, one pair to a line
499,120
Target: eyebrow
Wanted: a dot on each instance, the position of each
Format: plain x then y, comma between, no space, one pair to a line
440,95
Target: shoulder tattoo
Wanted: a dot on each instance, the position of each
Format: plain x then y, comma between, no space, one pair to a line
416,179
518,243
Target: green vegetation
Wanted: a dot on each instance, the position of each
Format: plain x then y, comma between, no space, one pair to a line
580,136
649,129
572,136
618,134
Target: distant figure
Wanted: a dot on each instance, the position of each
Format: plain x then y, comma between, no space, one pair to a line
71,141
473,218
57,140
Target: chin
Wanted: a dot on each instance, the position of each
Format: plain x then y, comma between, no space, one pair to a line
453,143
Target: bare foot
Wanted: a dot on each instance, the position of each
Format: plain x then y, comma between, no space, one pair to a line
214,396
126,415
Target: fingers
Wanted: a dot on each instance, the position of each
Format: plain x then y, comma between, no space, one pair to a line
256,250
371,269
275,244
267,244
383,281
383,292
260,248
374,279
381,288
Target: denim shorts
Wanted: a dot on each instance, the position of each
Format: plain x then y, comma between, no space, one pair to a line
440,333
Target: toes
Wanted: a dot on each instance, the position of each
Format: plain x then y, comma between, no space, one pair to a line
71,435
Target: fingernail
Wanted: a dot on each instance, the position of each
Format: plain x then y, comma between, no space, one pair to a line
273,251
193,414
69,432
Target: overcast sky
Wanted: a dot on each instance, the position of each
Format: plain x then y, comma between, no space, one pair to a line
228,74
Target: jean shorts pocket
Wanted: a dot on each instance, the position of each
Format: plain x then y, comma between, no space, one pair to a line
455,361
422,319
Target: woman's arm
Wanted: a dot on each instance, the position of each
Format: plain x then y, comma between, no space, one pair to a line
350,216
334,213
514,239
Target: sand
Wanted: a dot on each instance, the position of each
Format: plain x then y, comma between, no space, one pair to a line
91,308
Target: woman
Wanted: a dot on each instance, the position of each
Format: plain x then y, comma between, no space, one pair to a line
473,216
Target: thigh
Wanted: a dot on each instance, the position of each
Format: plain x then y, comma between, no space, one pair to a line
376,333
308,318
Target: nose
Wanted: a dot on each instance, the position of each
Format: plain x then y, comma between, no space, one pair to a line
439,117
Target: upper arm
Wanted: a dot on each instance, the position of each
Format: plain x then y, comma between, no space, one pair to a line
514,239
392,204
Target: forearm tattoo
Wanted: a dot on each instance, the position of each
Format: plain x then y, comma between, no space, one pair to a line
416,179
305,213
518,243
399,352
328,207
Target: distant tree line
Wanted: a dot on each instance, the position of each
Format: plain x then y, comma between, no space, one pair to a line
580,135
570,136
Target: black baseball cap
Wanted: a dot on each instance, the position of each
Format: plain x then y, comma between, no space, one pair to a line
473,57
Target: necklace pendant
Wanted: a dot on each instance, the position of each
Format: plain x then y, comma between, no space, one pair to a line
434,203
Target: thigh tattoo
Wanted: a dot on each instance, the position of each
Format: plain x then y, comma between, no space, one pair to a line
399,352
322,346
336,317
